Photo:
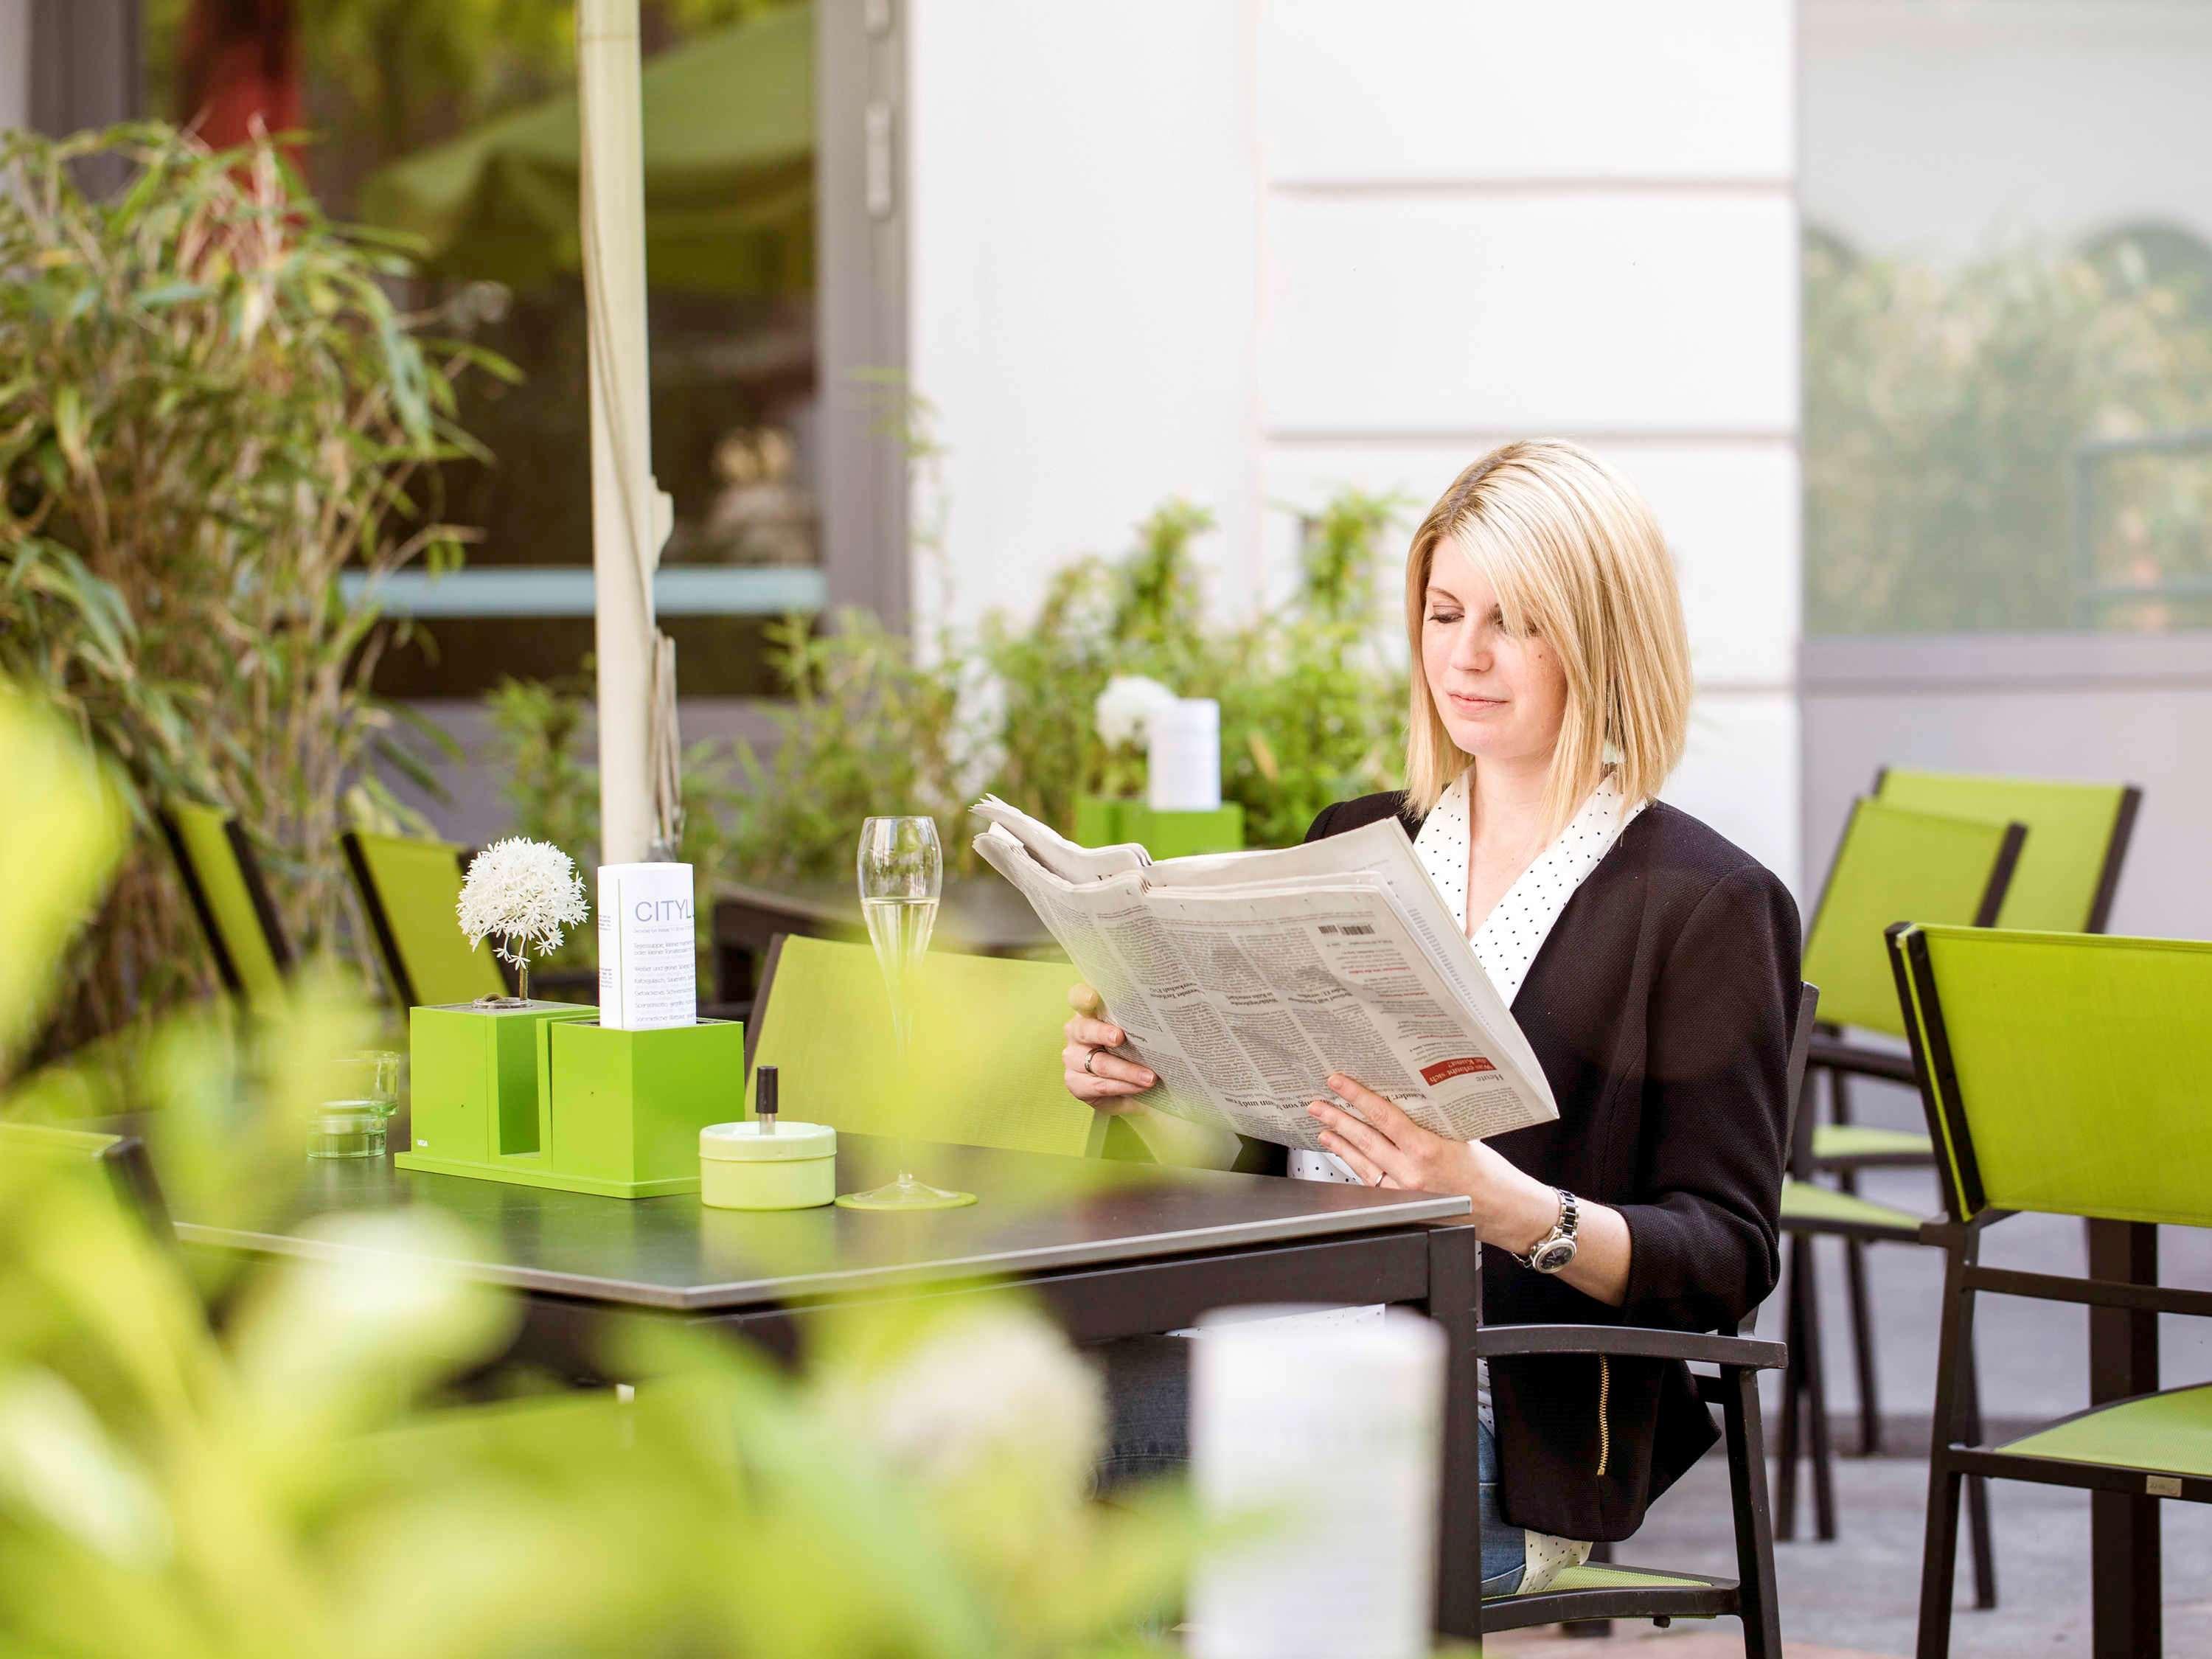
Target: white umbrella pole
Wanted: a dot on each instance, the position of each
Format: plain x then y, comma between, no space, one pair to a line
630,515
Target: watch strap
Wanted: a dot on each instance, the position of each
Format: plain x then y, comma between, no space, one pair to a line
1564,1228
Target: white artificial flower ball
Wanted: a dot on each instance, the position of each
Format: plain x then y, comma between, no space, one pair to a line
979,1386
1124,708
523,894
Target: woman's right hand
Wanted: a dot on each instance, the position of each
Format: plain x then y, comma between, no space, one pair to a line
1110,1080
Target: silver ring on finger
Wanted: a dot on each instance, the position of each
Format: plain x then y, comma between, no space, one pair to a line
1090,1058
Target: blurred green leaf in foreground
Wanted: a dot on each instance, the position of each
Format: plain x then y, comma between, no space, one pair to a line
296,1479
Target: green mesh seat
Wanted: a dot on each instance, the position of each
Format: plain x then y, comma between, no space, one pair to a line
1593,1576
222,879
408,891
1599,1590
2169,1432
985,1069
2065,1074
1866,1144
1809,1207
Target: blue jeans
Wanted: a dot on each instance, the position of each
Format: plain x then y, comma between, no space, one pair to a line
1148,1391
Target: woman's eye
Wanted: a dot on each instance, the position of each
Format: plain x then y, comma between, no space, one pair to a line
1446,617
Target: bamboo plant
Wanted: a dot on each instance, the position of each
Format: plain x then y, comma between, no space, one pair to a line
211,410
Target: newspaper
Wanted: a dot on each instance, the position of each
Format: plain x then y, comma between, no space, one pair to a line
1243,980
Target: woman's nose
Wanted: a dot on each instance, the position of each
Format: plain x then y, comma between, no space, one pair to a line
1471,650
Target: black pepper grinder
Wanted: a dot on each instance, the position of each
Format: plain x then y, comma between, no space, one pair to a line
764,1098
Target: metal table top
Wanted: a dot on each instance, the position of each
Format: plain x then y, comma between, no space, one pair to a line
1035,1214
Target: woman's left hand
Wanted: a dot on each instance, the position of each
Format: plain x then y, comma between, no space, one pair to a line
1386,1148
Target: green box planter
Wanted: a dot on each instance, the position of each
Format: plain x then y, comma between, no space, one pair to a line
586,1109
473,1075
1104,821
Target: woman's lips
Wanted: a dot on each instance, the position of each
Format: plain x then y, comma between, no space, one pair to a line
1476,705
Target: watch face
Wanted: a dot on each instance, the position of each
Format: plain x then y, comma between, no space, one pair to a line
1554,1256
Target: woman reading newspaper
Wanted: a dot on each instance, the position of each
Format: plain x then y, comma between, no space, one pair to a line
1652,966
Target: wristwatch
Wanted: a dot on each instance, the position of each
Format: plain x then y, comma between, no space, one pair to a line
1557,1247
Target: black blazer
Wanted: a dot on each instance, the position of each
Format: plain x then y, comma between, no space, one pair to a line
1660,1007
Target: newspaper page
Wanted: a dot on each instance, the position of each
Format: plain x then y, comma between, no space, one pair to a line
1243,981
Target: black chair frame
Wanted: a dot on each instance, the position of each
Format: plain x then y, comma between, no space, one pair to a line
1752,1595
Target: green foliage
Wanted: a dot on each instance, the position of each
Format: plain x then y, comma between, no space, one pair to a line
1312,710
540,730
301,1482
872,727
1157,601
1943,410
212,409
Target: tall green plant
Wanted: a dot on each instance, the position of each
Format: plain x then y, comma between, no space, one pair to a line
211,413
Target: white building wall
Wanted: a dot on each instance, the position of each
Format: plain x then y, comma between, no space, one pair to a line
1256,249
1941,130
1082,267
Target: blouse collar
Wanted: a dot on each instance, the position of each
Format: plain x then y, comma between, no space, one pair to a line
1507,941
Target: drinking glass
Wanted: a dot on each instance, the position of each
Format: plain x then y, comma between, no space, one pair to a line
901,871
362,1094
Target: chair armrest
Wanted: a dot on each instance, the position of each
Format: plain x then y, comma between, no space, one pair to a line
1836,1055
1632,1342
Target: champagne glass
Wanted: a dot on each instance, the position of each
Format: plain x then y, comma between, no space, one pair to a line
901,871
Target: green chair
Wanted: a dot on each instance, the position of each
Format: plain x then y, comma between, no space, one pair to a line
2068,871
408,890
1892,864
117,1162
1599,1591
2065,1074
985,1070
222,877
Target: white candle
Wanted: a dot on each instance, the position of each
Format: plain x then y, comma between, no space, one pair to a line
1332,1434
1182,762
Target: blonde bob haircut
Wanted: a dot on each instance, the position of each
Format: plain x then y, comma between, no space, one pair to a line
1575,557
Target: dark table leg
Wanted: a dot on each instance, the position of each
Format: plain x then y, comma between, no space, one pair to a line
1455,1302
2123,1530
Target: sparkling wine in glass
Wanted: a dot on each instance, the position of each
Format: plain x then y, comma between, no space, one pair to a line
901,873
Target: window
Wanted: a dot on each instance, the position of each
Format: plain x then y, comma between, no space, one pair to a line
2008,315
455,121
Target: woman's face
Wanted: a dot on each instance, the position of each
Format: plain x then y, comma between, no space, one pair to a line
1502,696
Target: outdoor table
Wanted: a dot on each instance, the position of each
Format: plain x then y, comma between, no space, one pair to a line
983,916
1111,1249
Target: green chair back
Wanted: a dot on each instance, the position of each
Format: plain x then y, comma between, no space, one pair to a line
224,879
985,1070
1893,864
408,891
2077,838
2064,1073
